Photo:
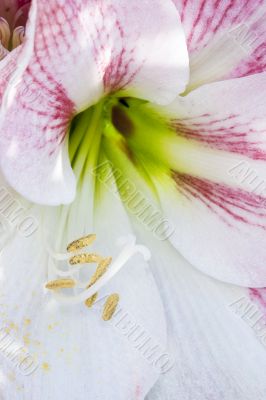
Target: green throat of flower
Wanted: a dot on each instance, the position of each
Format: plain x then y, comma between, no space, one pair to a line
126,132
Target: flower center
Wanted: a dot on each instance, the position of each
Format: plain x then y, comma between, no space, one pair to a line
12,26
126,130
117,145
129,134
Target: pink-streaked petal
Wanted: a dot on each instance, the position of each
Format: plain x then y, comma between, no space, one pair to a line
216,193
76,53
218,229
227,116
225,38
7,68
258,296
49,172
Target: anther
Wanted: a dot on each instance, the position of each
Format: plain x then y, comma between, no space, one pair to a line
100,271
85,258
87,293
61,284
91,300
110,306
80,243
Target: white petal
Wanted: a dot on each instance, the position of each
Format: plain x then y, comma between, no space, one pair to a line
218,354
79,355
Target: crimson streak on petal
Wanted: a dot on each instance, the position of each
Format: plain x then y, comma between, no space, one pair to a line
227,133
230,204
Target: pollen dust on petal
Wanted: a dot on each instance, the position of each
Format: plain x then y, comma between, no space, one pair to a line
26,339
46,367
27,321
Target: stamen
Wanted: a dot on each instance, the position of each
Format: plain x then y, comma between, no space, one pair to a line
4,32
91,300
18,36
61,284
100,271
110,306
80,243
85,258
84,292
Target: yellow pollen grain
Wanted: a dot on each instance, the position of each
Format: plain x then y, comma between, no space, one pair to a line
85,258
45,366
12,325
110,306
100,271
19,388
27,321
60,284
91,300
26,339
11,376
80,243
21,357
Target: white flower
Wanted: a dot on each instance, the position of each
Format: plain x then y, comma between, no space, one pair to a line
105,128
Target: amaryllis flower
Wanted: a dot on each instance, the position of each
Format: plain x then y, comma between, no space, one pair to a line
146,118
13,17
